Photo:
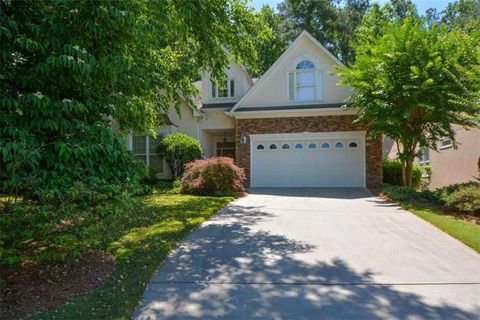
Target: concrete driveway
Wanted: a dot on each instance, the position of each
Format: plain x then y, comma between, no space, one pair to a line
315,254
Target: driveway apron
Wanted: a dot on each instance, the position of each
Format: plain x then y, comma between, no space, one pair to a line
315,254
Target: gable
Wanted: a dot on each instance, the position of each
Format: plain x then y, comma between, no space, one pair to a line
235,72
272,89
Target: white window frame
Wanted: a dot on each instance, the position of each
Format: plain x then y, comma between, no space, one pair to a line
318,72
147,153
445,146
214,88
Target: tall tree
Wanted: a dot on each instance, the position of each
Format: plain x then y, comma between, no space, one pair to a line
463,14
413,82
269,41
349,18
66,66
333,23
316,16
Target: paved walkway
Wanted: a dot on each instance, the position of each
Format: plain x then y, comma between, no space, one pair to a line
315,254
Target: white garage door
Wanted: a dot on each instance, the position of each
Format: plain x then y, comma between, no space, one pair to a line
327,159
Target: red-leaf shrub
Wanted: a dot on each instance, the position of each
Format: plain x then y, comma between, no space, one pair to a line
216,176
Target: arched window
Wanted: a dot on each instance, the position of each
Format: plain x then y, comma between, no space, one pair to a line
260,147
339,145
312,146
305,83
299,146
305,64
273,147
352,145
285,146
325,146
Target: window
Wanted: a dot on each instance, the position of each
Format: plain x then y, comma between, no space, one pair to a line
273,147
260,147
424,157
312,146
445,143
352,145
143,147
325,146
285,146
305,83
299,146
339,145
225,149
225,89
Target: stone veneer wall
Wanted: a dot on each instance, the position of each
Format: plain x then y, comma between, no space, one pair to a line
373,150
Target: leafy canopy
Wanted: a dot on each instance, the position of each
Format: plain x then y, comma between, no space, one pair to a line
68,67
333,23
413,82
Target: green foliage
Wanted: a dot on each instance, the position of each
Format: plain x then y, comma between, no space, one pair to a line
270,43
413,82
464,14
427,206
139,232
179,149
330,22
68,67
426,177
464,196
217,176
400,193
392,173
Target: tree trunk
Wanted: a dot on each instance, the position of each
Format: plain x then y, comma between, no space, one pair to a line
408,171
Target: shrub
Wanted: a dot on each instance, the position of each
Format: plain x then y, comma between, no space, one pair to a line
215,176
93,165
179,149
463,196
392,173
399,193
403,193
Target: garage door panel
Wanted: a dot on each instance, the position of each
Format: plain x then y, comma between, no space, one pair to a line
309,167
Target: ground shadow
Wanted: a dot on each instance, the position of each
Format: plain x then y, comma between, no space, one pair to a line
333,193
230,269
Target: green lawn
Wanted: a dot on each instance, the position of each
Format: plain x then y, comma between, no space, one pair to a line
467,232
139,232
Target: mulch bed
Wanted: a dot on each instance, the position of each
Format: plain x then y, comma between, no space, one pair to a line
32,288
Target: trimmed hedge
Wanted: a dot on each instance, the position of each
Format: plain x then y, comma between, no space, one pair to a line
217,176
392,173
463,196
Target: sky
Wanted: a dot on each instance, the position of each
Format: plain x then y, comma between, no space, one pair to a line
422,5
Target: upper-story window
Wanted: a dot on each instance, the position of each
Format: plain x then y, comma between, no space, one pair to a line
224,89
305,83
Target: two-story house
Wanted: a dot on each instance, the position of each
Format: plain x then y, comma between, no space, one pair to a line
288,129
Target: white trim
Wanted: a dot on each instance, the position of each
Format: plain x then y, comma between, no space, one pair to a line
279,60
291,113
447,146
229,89
258,138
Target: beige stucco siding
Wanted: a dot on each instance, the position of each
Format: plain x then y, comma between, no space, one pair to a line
216,119
235,72
273,90
451,165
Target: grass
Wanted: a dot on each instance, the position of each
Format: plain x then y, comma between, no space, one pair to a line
139,232
423,205
466,232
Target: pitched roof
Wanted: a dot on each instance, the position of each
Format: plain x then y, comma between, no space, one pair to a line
303,34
